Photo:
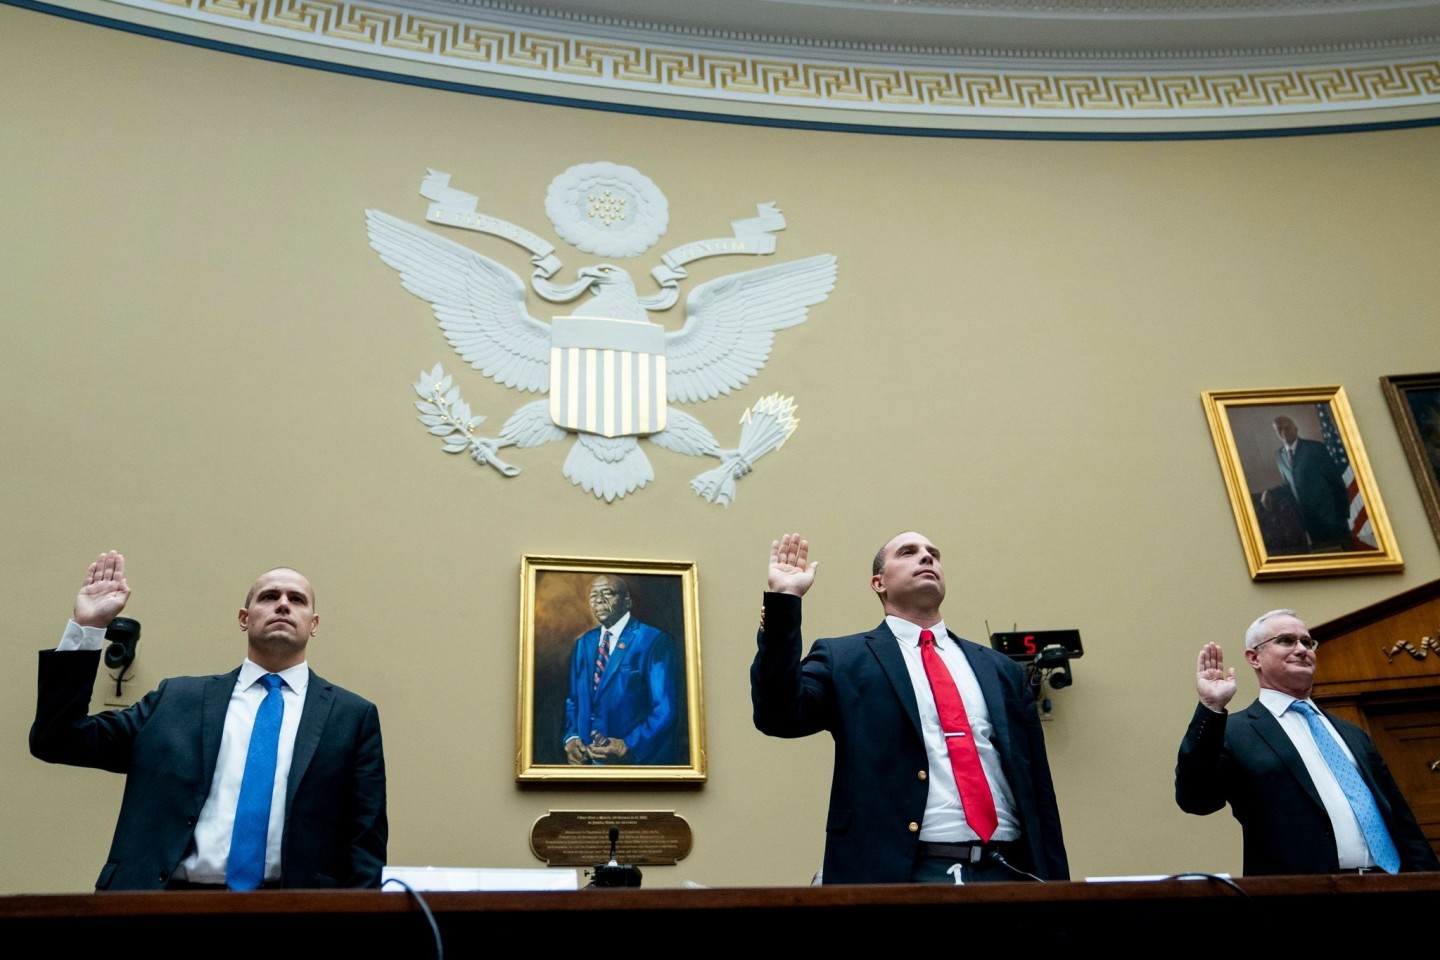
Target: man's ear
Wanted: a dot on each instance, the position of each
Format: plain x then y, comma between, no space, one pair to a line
244,619
877,584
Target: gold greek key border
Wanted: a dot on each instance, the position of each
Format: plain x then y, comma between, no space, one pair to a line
737,77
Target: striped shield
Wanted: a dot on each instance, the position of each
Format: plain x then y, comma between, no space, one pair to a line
607,376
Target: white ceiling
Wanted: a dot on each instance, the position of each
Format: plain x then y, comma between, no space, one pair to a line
1065,29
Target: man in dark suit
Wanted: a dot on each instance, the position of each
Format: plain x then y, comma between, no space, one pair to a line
622,706
193,814
1310,791
940,766
1318,485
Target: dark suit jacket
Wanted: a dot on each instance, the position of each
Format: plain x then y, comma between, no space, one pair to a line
637,700
857,688
167,744
1246,760
1320,492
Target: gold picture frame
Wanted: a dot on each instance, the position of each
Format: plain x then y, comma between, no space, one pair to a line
641,717
1300,485
1414,401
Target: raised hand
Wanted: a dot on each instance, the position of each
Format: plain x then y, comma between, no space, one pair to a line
1213,682
103,593
790,568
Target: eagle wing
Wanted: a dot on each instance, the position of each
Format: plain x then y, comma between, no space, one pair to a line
479,303
731,322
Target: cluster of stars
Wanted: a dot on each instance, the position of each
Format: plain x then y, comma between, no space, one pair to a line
607,208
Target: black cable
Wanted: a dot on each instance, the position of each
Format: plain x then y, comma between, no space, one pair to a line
996,857
1210,876
425,909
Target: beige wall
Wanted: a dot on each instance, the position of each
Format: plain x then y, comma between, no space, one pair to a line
205,366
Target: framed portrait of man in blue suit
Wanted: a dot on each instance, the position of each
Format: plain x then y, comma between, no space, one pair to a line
1305,500
609,685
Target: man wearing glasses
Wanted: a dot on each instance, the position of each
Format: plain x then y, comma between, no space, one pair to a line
1310,791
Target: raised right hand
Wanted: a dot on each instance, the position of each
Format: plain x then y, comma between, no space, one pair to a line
790,568
104,592
1213,682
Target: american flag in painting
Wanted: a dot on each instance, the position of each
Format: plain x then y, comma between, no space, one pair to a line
1359,519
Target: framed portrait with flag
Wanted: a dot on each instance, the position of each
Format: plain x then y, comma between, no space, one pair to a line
609,671
1304,498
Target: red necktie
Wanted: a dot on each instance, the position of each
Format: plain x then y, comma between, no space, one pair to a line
602,655
975,794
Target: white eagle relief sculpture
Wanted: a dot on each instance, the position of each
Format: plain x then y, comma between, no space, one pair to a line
610,372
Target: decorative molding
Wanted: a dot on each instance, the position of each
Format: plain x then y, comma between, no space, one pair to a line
1419,652
592,58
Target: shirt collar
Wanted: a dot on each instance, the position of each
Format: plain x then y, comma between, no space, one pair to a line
619,626
1277,703
297,678
909,633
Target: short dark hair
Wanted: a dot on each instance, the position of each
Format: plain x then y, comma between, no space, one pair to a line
879,562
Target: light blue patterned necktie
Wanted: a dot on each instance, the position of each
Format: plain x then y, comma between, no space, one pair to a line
1362,801
245,868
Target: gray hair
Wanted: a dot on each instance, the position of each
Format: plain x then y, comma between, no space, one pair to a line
1252,635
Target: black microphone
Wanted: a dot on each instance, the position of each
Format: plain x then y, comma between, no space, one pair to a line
997,857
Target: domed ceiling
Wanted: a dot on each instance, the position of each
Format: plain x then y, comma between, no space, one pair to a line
1109,68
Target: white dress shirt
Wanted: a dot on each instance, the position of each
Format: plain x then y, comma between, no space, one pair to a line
1350,843
944,815
615,631
205,861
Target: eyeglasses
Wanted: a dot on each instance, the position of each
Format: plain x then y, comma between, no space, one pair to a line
1287,641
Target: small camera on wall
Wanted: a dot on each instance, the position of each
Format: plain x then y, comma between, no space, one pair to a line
1046,655
121,637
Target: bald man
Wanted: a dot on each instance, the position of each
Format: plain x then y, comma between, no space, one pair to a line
1318,485
910,800
266,776
623,706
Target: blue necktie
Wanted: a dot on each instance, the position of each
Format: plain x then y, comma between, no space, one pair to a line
1377,838
245,870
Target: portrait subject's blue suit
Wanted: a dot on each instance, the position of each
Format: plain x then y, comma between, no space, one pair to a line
637,699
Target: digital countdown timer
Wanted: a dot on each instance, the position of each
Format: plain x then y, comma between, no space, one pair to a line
1026,644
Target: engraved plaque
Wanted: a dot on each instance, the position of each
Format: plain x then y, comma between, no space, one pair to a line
581,838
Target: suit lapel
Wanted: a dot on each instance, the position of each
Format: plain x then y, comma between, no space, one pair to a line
214,703
319,699
1269,731
886,649
989,679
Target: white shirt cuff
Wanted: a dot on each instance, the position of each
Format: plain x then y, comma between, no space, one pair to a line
77,637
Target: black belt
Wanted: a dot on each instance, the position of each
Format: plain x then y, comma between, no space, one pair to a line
962,852
1361,870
